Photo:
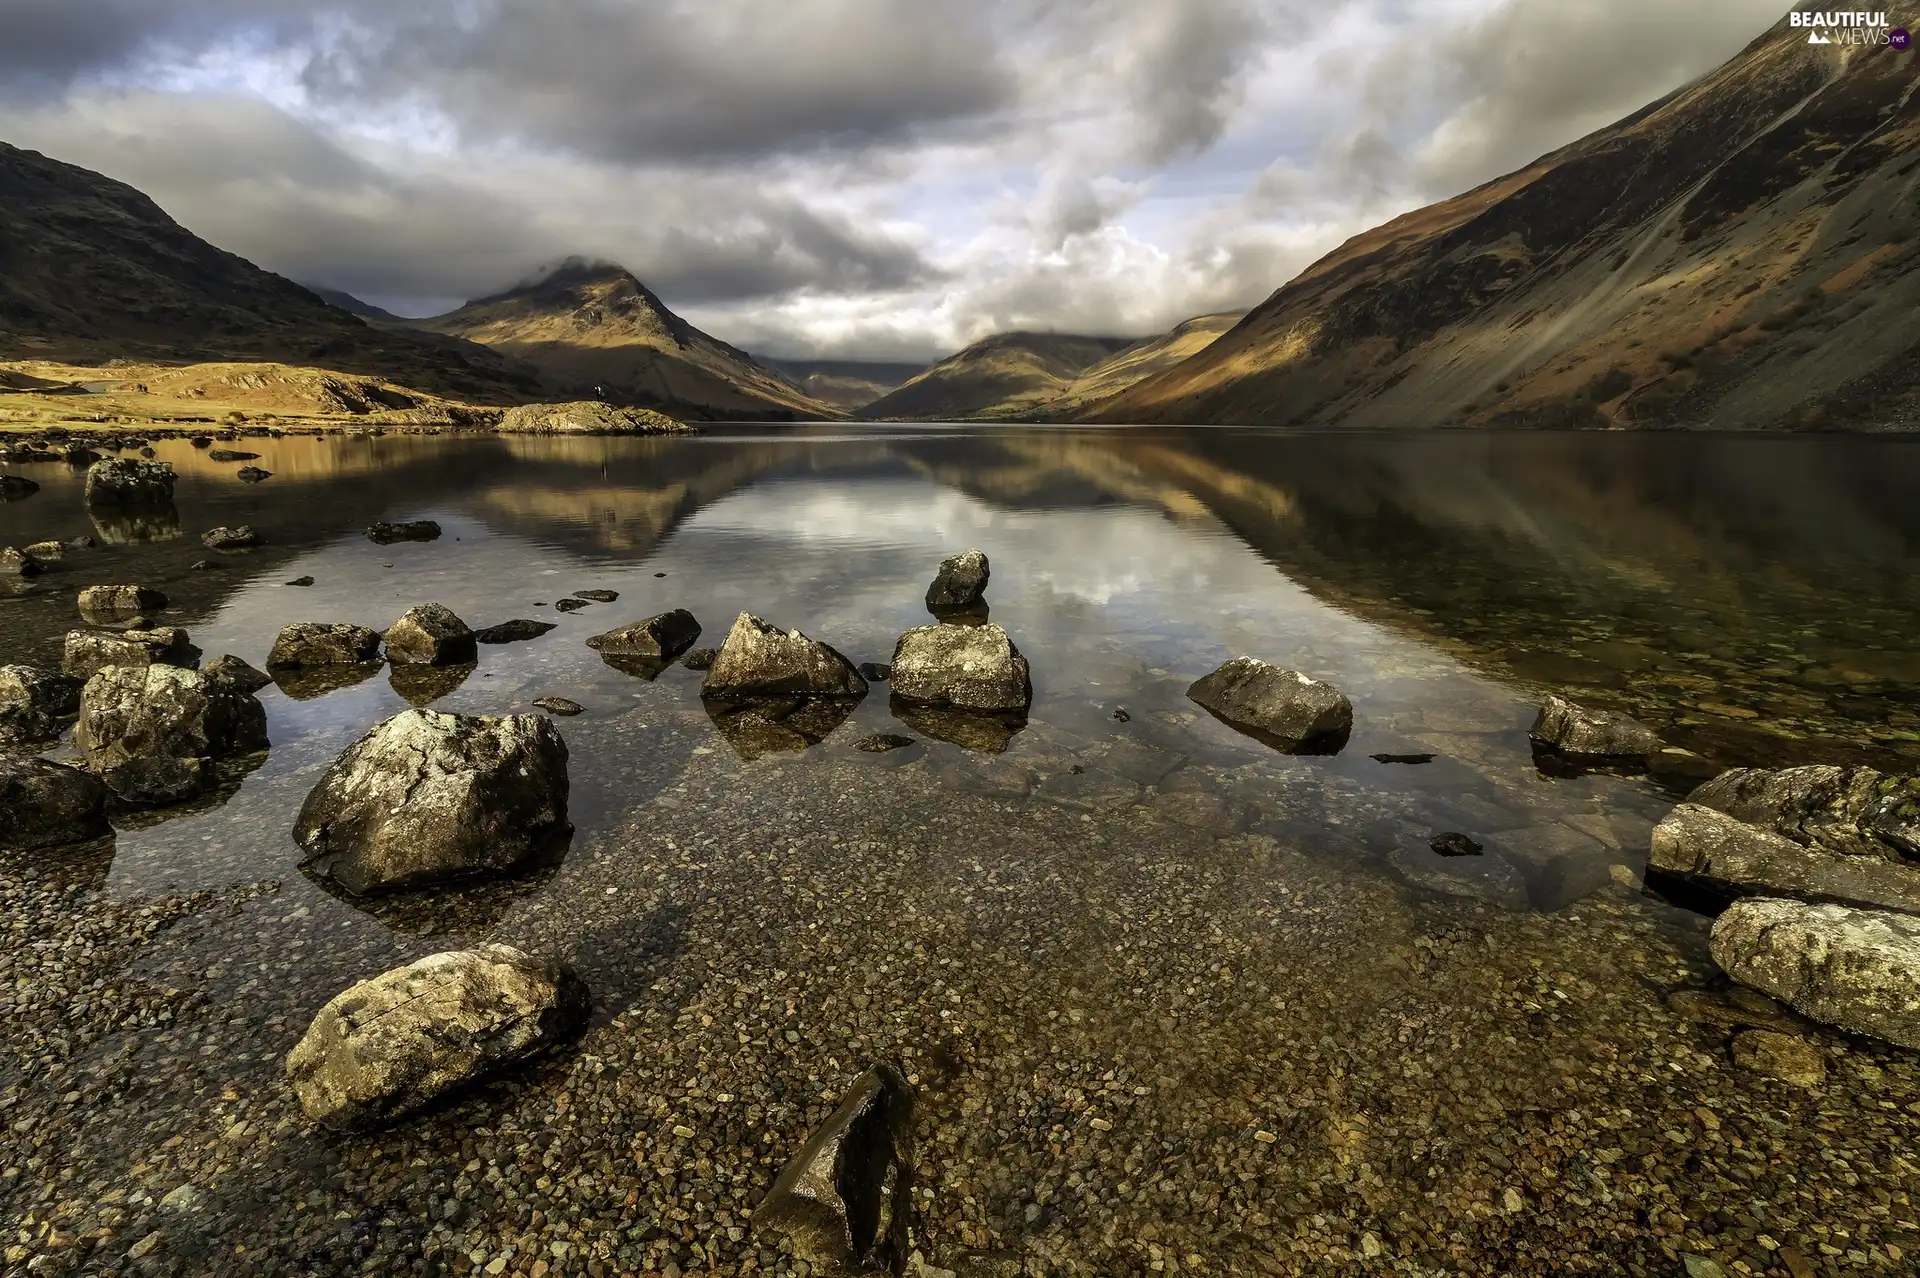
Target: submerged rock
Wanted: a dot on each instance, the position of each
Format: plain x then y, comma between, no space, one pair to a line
965,667
1787,1057
1283,707
588,417
700,658
165,712
658,639
45,804
15,562
1847,811
122,481
1483,878
844,1203
390,1045
323,643
426,797
429,635
883,743
1855,969
386,534
960,585
236,673
1455,844
516,631
759,726
758,659
560,706
1706,846
35,704
597,596
116,601
87,652
239,537
1591,734
985,731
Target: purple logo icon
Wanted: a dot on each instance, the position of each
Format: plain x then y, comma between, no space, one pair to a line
1900,39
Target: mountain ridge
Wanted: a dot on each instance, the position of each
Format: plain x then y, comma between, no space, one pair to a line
997,376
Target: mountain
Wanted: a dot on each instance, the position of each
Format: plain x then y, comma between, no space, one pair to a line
844,383
1738,254
588,324
1140,361
1000,376
354,306
91,269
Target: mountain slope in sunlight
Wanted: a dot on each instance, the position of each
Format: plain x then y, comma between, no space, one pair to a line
1003,376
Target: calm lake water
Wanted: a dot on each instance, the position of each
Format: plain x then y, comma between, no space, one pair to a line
1752,598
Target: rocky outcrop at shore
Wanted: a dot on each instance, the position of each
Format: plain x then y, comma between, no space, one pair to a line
123,481
1581,733
429,635
1855,969
588,417
761,660
149,732
1846,811
87,652
1706,846
1283,707
426,797
45,804
391,1045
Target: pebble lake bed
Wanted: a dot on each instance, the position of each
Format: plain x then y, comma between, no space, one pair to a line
1166,998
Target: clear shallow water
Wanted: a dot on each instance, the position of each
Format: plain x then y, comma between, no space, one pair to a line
1751,597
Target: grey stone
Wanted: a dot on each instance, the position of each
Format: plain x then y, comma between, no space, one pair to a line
239,537
426,797
236,673
87,652
560,706
1848,811
429,635
1283,707
123,481
114,601
165,712
660,638
45,804
515,631
391,1045
597,596
1597,734
157,782
760,660
965,667
386,534
1705,845
322,643
1855,969
844,1203
47,552
35,703
961,583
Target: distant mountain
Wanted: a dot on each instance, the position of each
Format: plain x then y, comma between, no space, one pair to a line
354,306
1139,361
589,324
1740,254
844,383
91,269
1001,376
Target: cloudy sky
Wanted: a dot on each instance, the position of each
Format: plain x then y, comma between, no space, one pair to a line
854,178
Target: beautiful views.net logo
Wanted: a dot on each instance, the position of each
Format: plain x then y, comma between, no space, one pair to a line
1848,26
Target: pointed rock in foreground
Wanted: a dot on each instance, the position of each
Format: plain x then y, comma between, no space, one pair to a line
761,660
961,583
842,1204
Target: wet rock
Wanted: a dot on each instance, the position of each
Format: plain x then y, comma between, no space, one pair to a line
965,667
1482,878
570,605
47,552
157,782
597,596
516,631
15,562
123,481
239,537
700,658
45,804
111,601
1855,969
988,733
875,671
1847,811
427,797
429,635
230,455
960,585
301,581
883,742
759,660
237,674
17,488
165,712
1706,846
759,726
560,706
1787,1057
35,703
1402,758
1455,844
386,534
1282,707
252,474
201,441
424,685
844,1203
390,1045
87,652
659,639
1591,734
323,643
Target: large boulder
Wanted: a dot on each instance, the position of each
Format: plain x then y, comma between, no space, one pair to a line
843,1204
119,601
323,643
165,712
587,417
124,481
35,703
390,1045
1591,734
429,635
87,652
660,638
760,660
1705,845
1284,707
44,804
1848,811
960,585
427,797
965,667
1856,969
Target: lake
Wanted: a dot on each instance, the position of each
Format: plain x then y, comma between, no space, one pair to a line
1311,1040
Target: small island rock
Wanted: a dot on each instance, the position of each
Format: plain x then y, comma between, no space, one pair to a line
123,481
966,667
1597,734
961,583
1284,706
429,635
758,659
323,643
